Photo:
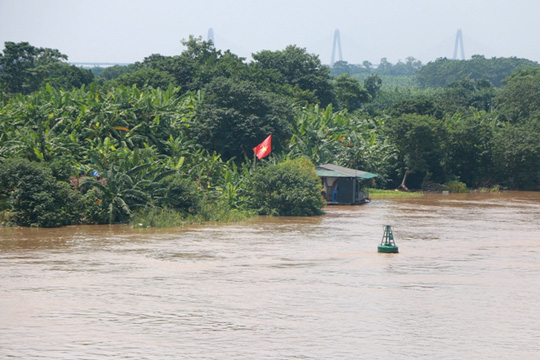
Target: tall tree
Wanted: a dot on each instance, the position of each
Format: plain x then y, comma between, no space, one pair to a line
299,69
444,71
198,64
350,94
519,99
418,140
235,116
25,68
22,66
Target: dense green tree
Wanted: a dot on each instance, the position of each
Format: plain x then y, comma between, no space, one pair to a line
343,67
113,72
298,68
466,95
418,140
517,155
444,71
36,198
350,94
326,136
235,116
373,84
384,69
519,99
180,193
469,149
198,64
420,105
146,77
407,68
291,188
67,76
25,68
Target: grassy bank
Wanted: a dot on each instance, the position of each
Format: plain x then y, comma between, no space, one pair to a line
166,217
385,194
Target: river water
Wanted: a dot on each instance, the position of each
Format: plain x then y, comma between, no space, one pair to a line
465,285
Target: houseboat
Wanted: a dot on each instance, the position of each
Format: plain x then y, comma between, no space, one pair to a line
344,186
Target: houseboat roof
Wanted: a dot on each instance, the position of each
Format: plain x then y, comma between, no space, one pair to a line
329,170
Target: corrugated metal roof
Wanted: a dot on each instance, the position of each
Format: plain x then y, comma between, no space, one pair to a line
329,170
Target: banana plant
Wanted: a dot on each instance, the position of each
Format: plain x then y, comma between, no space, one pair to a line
129,183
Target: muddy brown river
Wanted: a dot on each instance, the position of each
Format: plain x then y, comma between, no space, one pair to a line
465,285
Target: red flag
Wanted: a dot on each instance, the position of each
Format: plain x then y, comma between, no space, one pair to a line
264,148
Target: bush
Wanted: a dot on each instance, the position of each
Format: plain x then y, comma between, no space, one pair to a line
291,188
158,217
95,210
214,210
455,186
36,198
181,194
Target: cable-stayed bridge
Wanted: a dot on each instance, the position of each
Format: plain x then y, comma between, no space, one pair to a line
336,54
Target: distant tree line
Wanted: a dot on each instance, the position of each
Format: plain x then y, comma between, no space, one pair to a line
169,139
25,68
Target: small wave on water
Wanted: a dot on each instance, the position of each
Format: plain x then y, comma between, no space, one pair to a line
462,285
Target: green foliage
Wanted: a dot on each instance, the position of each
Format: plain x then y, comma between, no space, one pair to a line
418,140
82,123
349,94
95,210
62,169
455,186
235,116
25,68
465,96
376,194
146,77
519,100
197,65
159,217
291,188
210,211
469,149
131,181
180,193
66,76
444,71
115,71
295,67
325,136
408,68
420,105
36,198
517,154
373,84
169,140
384,69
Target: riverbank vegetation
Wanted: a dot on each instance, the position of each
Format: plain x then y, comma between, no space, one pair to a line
168,140
376,194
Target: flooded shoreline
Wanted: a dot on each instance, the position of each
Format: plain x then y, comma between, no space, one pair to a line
463,285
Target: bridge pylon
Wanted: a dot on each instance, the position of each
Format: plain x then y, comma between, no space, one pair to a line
459,40
337,44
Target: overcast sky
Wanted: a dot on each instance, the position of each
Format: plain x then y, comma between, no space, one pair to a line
125,31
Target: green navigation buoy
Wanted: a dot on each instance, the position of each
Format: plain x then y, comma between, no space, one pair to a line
388,245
